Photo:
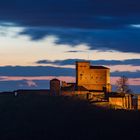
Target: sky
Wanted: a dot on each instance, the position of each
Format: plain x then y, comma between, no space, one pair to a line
42,39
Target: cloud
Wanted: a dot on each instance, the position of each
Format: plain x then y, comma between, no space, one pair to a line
50,72
60,62
126,73
70,41
71,13
30,79
135,25
124,40
27,83
130,67
22,84
8,29
73,51
35,71
10,83
103,25
31,83
124,68
133,62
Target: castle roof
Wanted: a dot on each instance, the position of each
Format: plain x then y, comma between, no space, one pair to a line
55,79
98,67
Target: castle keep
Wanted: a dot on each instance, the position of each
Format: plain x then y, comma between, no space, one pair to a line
92,78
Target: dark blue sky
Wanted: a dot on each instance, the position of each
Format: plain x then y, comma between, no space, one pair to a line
98,22
72,13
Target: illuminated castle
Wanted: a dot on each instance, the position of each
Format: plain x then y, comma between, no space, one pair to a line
92,78
88,79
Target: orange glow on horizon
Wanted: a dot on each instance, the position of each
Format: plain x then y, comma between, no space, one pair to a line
132,81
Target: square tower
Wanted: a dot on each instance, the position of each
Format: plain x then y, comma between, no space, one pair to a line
95,78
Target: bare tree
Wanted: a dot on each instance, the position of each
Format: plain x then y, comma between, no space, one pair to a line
122,85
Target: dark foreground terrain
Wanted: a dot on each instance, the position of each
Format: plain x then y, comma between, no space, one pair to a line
40,117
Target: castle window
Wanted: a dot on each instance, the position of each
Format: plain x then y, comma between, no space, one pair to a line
81,75
100,78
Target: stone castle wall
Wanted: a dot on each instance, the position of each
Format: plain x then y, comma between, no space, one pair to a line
55,87
122,102
92,78
138,102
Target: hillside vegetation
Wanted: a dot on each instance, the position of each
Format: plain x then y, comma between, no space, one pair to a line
31,117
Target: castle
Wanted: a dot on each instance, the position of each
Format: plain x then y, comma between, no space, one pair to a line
93,83
93,78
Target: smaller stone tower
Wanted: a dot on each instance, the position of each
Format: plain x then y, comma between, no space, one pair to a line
55,87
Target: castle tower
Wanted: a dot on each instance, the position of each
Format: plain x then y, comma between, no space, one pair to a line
92,77
55,87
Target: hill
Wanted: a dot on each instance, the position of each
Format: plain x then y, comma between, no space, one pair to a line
42,117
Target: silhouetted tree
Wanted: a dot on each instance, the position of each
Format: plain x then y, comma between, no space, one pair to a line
122,85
